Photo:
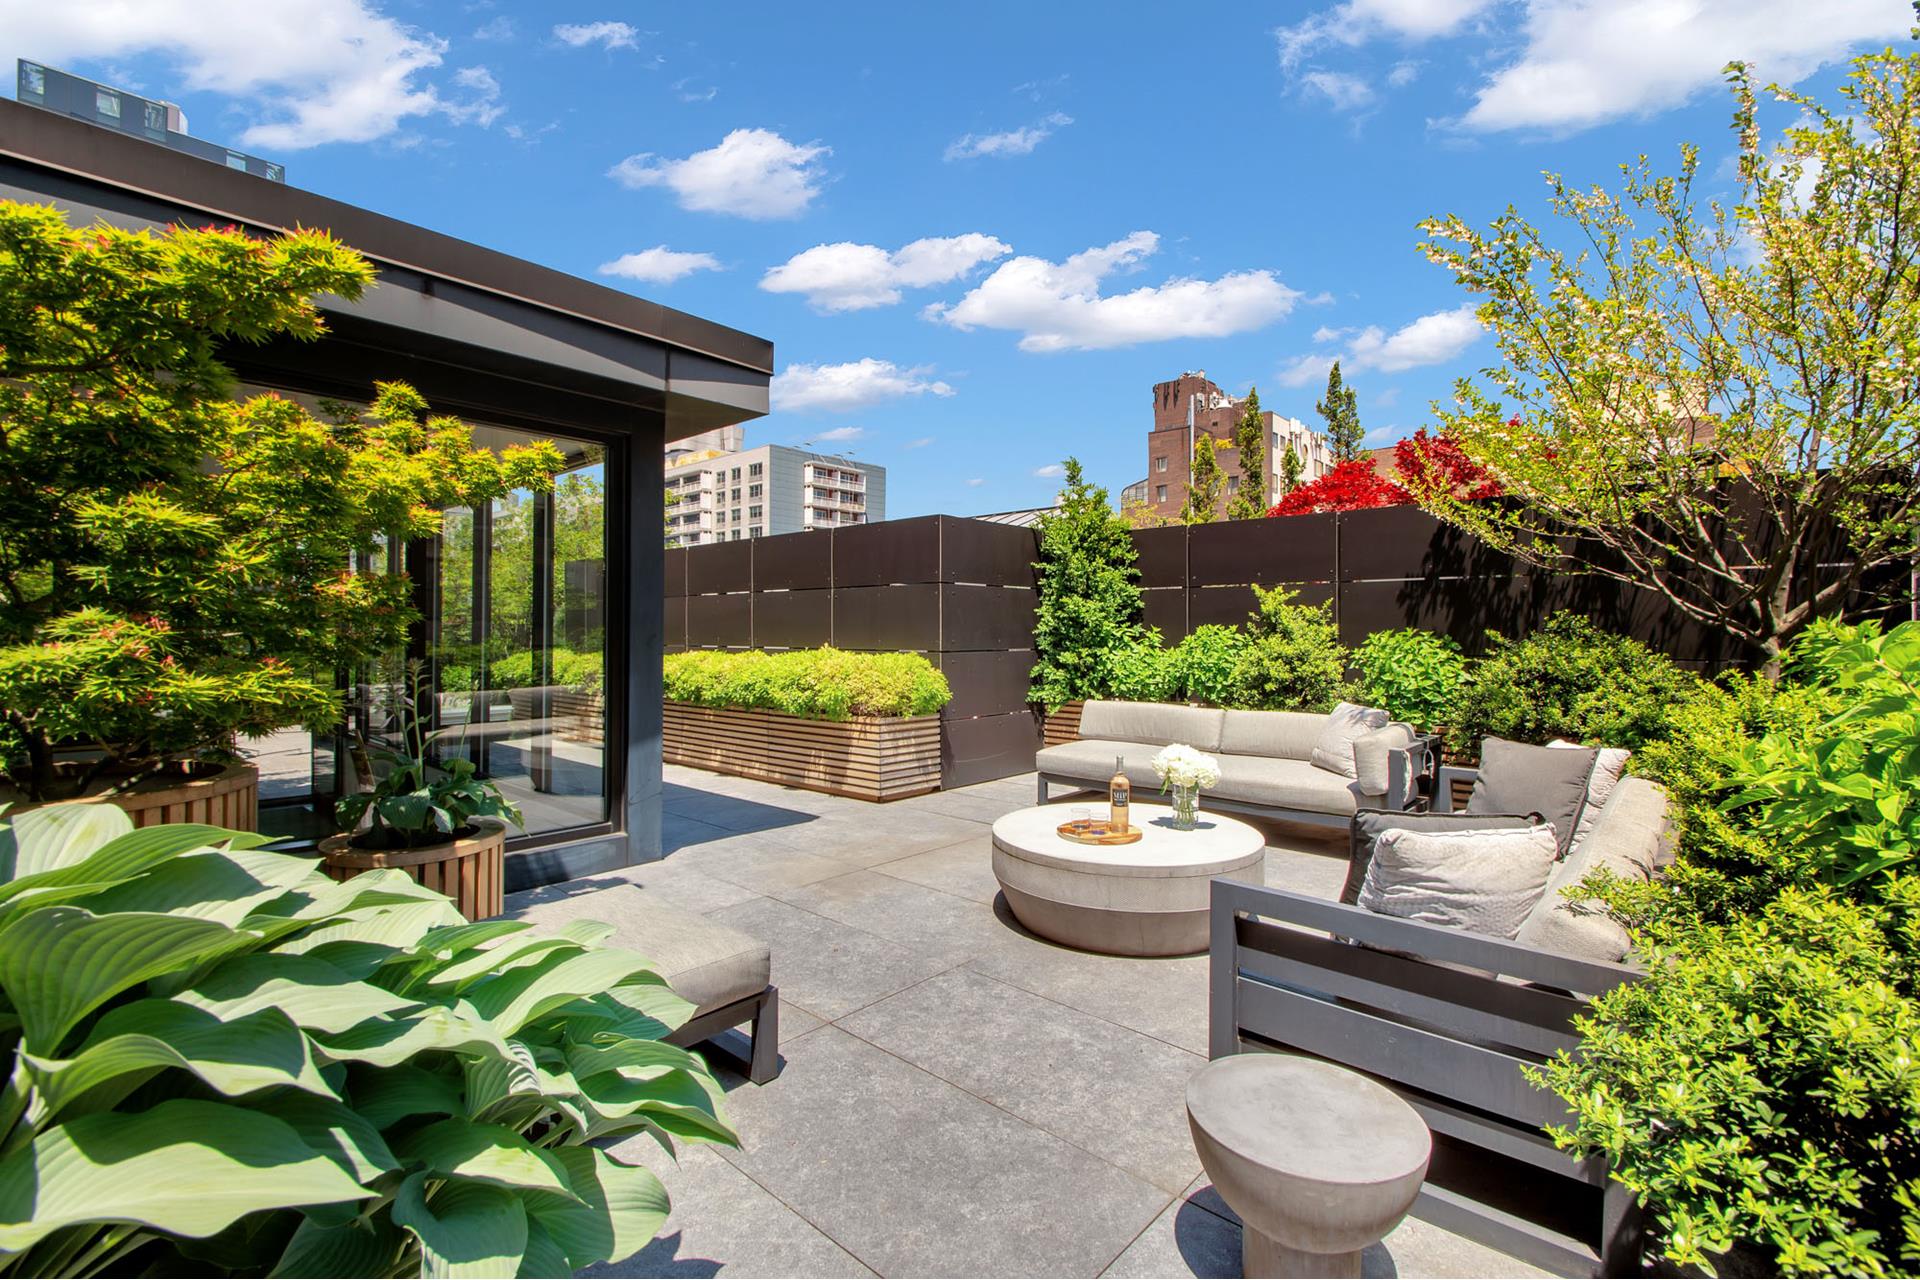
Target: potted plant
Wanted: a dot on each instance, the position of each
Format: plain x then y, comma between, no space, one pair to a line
176,565
440,822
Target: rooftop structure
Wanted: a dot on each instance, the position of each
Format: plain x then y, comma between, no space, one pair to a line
39,85
1192,405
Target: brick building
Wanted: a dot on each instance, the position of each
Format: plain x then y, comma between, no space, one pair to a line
1190,405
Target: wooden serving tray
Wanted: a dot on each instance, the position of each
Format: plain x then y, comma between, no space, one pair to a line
1093,832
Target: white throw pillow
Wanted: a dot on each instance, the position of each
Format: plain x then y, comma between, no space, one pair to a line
1607,768
1334,751
1481,881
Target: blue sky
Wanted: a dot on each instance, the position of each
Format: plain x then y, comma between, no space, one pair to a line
978,235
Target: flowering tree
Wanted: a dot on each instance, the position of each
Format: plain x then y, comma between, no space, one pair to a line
1723,400
175,565
1350,486
1436,463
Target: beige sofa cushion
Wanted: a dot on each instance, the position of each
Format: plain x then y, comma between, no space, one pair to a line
1282,735
1285,784
1091,762
1633,838
1338,732
1370,752
1156,722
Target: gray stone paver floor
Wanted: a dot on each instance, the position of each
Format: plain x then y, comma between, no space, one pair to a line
958,1097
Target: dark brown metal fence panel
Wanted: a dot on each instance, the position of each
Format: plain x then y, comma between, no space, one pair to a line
1163,556
792,619
995,555
985,617
1166,608
720,622
879,555
673,623
720,568
986,682
675,577
901,616
987,747
793,563
1231,553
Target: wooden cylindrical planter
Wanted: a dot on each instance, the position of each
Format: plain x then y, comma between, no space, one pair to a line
471,871
229,797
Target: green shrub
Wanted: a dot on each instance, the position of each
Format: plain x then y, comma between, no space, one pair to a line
515,671
822,684
1413,675
1088,606
1145,672
1568,680
1292,659
226,1063
1758,1088
1204,665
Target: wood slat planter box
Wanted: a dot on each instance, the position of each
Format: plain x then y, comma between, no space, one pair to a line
471,871
1063,725
867,758
229,798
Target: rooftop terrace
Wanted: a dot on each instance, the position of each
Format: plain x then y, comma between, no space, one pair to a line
959,1096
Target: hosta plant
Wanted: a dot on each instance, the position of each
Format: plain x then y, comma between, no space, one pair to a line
223,1062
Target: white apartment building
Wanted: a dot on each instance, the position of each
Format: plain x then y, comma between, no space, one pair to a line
1315,454
755,493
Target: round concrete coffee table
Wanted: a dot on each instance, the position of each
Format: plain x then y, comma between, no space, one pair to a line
1319,1162
1148,898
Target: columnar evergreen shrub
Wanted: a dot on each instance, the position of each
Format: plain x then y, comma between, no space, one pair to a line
823,684
1089,595
1568,680
1292,659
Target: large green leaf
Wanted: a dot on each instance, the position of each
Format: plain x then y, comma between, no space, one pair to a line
516,997
58,835
387,1041
57,964
544,1259
186,1166
122,858
336,1131
317,996
464,1228
393,926
259,1051
352,1249
685,1104
484,1153
484,962
647,1057
215,885
618,1208
385,1095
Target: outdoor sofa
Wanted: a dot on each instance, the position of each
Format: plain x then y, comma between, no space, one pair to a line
1450,1019
1266,759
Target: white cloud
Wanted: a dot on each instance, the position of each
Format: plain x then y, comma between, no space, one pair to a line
608,35
1058,306
1050,471
1342,91
1358,21
1432,339
838,435
499,29
853,277
1404,73
483,105
1014,142
659,265
753,173
921,443
845,388
1589,61
976,482
685,89
307,71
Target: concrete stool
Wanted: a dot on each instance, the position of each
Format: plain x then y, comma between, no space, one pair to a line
1318,1162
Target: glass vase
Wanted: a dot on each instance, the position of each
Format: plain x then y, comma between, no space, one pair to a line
1186,806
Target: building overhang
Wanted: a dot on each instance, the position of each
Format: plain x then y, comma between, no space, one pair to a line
481,330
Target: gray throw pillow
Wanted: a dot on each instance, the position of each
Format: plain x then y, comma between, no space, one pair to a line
1550,781
1481,881
1369,824
1334,751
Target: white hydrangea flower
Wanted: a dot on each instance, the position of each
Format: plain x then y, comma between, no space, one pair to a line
1180,765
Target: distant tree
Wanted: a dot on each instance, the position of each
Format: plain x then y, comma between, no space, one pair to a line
1342,414
1290,469
1136,514
1250,438
1714,398
1350,486
1422,462
1205,484
1088,605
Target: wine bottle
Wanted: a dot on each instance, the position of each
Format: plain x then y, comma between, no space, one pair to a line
1119,795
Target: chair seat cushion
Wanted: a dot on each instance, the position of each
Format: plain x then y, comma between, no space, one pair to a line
707,964
1284,784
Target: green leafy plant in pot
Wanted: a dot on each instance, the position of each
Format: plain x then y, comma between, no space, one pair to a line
426,817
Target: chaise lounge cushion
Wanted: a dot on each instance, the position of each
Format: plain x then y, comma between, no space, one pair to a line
1152,722
1285,784
1633,838
708,964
